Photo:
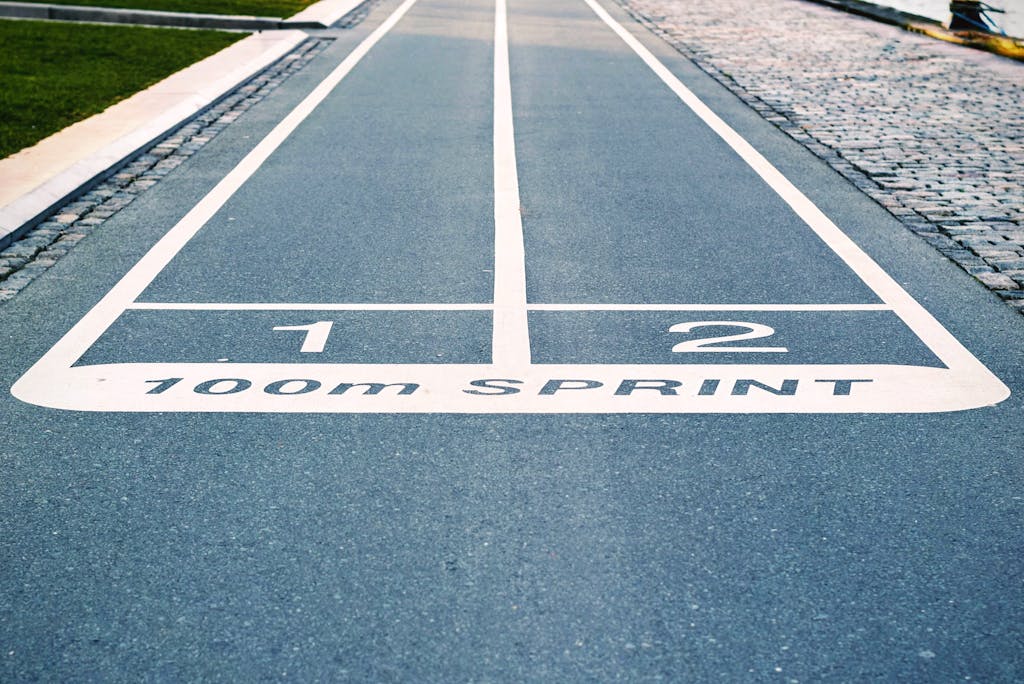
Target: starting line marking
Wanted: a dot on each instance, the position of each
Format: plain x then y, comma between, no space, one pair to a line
510,383
259,306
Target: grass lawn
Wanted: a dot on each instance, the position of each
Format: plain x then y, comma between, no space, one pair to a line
260,8
54,74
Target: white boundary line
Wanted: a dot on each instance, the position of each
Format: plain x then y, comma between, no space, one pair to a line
924,325
709,307
511,335
56,382
306,306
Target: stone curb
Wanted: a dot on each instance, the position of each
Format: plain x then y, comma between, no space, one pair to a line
125,129
319,16
104,15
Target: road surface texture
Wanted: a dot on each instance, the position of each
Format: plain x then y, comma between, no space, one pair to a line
503,343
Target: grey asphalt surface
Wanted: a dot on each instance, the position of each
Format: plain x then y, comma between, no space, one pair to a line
439,547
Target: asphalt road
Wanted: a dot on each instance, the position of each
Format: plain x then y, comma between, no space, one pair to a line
474,354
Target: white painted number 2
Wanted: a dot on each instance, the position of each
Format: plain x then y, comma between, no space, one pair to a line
754,331
316,335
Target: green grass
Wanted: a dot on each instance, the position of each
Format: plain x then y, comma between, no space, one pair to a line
54,74
259,8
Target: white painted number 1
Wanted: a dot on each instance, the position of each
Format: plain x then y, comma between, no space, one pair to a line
754,331
316,335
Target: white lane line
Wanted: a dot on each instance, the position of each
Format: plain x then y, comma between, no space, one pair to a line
511,337
301,306
102,316
917,318
306,306
710,307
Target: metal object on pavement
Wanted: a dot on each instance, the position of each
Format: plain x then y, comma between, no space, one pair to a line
972,15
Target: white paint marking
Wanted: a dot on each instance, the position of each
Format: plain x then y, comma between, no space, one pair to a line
334,306
301,306
315,339
460,388
510,384
755,331
511,337
709,307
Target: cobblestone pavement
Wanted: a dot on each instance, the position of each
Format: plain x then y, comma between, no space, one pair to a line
26,259
933,132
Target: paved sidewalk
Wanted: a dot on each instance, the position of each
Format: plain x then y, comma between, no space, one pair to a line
933,132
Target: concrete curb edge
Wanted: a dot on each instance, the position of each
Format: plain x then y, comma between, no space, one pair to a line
318,16
105,15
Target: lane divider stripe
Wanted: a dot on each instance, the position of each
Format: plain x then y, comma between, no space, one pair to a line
511,336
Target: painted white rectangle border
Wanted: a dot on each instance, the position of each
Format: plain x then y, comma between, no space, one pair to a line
510,384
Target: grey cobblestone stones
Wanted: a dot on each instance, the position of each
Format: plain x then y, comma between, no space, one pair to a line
934,134
32,255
